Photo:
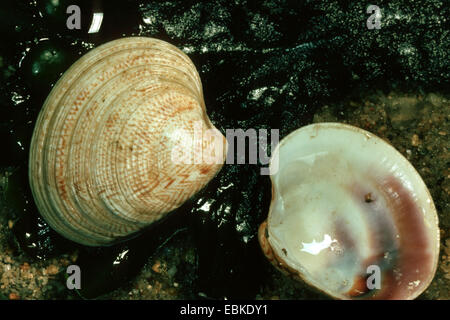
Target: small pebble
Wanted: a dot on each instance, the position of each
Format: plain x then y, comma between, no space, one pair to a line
52,270
25,266
13,296
415,140
157,267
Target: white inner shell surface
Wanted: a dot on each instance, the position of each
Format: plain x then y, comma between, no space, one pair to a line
338,207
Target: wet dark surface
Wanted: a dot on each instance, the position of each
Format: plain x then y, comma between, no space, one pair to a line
263,64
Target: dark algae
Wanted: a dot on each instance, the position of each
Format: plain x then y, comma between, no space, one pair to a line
269,64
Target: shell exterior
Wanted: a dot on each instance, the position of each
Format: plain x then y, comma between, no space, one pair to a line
101,165
344,201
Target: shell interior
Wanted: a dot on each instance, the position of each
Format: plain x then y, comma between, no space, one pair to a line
344,201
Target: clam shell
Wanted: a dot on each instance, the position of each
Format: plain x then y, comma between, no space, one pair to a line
101,165
343,202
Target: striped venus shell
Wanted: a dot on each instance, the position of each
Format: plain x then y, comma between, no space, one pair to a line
344,201
100,160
